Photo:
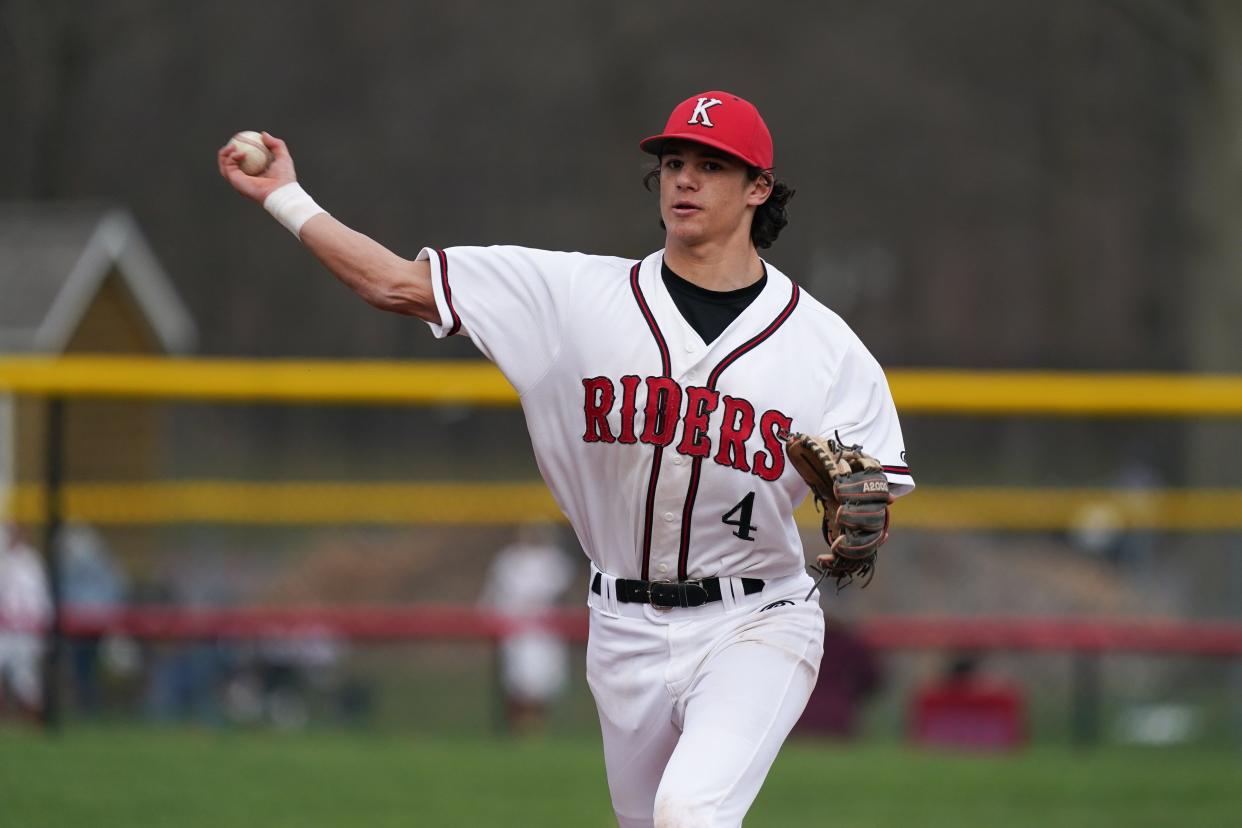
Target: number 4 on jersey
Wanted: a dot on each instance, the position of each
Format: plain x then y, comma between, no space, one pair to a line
744,527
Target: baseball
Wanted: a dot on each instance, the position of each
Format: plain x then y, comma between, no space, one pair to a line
255,156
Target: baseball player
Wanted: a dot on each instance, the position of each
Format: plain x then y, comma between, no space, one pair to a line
659,394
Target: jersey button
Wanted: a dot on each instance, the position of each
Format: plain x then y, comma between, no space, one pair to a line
678,460
663,568
689,348
668,517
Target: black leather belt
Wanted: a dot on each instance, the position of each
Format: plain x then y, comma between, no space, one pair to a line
672,593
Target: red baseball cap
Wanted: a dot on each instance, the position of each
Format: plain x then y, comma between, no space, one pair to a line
721,120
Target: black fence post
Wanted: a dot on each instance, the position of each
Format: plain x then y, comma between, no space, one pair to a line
1086,703
52,517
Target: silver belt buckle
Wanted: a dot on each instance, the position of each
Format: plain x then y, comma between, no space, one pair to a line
654,587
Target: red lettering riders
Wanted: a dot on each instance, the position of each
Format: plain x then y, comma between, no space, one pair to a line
664,419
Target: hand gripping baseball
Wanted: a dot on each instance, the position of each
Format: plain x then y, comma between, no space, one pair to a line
259,186
852,488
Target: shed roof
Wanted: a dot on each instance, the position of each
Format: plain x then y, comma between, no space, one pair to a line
54,258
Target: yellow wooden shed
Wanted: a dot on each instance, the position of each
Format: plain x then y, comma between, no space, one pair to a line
80,279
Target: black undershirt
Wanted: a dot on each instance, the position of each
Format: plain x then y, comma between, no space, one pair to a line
709,312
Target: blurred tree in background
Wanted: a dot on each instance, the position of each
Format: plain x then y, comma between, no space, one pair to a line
1026,184
980,184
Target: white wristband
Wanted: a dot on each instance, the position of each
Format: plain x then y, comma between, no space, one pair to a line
291,206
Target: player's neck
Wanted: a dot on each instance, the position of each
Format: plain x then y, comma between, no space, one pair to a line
714,266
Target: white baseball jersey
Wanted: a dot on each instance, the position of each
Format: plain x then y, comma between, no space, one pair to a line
662,450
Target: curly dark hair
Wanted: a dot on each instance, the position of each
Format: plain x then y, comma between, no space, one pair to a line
770,217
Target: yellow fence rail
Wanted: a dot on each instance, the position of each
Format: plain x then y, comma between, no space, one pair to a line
475,382
455,502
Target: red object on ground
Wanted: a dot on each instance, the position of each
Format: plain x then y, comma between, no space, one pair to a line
969,715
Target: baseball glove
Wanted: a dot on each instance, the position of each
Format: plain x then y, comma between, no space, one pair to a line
852,488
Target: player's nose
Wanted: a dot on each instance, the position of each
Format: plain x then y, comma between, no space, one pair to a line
685,179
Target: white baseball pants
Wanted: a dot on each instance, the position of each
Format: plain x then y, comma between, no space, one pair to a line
694,703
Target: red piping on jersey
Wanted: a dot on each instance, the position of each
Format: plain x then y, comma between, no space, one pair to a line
693,490
897,470
666,368
448,293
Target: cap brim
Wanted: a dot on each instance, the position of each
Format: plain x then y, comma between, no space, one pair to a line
655,145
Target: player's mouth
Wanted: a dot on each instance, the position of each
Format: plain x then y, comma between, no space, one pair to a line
681,209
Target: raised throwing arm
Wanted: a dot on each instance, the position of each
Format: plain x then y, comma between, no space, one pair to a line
381,277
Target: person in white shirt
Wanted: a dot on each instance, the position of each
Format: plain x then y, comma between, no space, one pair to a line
25,612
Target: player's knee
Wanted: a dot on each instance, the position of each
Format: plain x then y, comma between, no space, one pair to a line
673,810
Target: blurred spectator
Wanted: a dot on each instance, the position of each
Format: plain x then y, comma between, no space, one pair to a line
187,678
185,682
25,611
849,675
1139,481
1106,526
526,580
966,710
91,581
276,679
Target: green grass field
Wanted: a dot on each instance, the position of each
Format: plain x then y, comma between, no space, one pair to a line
184,778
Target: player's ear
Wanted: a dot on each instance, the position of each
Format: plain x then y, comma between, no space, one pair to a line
759,189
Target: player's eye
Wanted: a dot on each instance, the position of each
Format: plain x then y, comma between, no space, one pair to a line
713,166
672,163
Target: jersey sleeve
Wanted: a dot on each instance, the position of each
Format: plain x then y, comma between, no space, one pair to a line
860,409
510,301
